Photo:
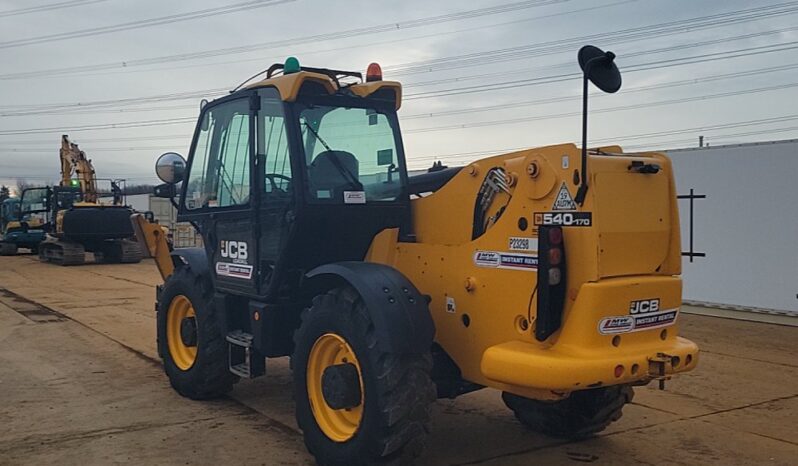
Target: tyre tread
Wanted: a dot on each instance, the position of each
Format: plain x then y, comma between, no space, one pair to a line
582,414
405,389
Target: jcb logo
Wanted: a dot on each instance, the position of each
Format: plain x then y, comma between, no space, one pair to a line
643,306
234,249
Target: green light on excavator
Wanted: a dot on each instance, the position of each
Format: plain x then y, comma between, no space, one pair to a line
291,65
74,183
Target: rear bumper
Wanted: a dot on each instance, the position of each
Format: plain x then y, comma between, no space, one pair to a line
526,366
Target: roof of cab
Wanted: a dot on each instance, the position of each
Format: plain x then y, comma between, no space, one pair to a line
289,85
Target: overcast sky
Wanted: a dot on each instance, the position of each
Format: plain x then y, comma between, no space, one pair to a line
486,61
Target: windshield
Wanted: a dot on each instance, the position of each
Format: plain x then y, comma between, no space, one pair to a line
34,200
350,154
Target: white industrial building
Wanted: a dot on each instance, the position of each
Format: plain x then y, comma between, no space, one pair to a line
744,224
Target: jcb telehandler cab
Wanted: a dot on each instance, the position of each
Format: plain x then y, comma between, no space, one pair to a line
555,282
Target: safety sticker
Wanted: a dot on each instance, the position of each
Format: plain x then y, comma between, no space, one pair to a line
451,306
564,219
520,243
624,324
354,197
564,200
503,260
226,269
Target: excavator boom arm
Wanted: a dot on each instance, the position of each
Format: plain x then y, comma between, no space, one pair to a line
74,161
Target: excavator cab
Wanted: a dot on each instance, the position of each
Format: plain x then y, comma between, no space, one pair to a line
23,221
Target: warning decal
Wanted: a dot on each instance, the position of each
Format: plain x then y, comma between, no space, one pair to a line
564,200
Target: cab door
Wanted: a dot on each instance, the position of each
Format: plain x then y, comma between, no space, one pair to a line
277,187
218,192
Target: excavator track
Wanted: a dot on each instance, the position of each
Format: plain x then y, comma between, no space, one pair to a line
131,252
62,252
123,251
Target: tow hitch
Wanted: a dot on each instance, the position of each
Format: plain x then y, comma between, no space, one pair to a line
656,368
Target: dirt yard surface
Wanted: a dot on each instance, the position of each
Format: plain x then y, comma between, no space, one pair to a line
80,383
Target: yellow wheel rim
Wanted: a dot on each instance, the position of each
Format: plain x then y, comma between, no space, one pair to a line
339,425
182,354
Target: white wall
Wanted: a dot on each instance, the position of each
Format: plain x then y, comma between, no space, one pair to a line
139,202
747,225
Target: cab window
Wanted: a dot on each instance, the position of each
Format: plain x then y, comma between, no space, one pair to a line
350,154
220,168
273,144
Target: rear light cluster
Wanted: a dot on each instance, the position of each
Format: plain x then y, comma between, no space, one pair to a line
551,281
555,256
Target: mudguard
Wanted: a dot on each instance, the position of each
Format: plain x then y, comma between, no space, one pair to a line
195,258
398,310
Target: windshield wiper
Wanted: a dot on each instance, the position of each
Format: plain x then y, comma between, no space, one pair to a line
348,175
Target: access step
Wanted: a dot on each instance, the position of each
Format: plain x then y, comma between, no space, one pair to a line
244,360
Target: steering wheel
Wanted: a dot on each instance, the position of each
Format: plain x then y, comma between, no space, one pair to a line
272,177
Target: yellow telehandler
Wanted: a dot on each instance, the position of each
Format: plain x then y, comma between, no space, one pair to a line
551,274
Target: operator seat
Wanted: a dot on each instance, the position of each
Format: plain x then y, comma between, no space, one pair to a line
331,173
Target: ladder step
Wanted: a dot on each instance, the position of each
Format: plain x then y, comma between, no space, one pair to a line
244,360
240,338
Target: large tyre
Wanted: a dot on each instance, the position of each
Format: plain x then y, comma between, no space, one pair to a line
190,340
581,415
387,418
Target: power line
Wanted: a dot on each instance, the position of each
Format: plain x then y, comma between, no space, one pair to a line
293,42
715,137
785,46
47,7
316,50
607,38
615,139
626,91
46,108
473,89
649,32
502,106
160,21
639,33
127,124
85,107
503,121
555,116
626,55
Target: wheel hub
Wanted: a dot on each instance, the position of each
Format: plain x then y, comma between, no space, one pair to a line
340,385
335,387
188,331
181,332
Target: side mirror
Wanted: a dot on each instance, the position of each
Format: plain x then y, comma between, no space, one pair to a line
171,168
600,68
